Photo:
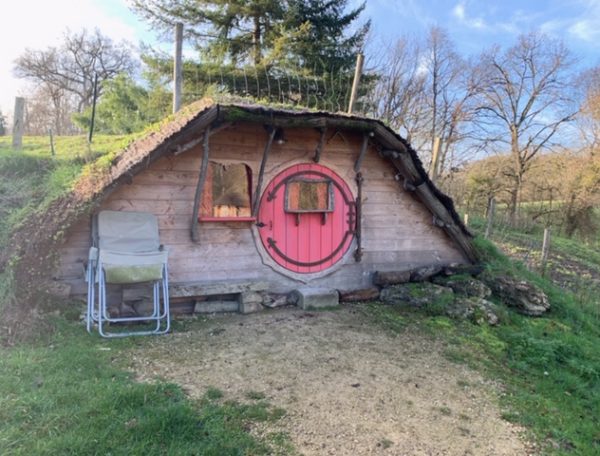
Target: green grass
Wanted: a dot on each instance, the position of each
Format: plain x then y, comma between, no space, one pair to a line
31,178
70,395
550,365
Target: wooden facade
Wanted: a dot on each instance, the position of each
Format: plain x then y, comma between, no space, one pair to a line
397,230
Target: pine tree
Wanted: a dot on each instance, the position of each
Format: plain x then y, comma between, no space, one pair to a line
324,42
237,31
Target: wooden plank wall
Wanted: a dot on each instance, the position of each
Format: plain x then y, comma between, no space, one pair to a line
397,230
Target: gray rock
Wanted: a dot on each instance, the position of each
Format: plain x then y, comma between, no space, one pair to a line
476,309
416,294
250,302
425,273
467,286
526,298
315,298
272,300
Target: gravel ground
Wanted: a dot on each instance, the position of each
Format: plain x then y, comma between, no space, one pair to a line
349,388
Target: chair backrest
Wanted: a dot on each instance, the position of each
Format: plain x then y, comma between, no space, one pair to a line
127,231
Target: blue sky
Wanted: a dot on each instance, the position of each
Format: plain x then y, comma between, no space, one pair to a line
473,25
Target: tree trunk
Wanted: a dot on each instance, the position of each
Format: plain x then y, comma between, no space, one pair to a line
256,40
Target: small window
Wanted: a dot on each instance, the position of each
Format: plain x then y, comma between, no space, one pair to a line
227,193
309,195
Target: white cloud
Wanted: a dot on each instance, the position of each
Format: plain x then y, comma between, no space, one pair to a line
459,11
585,30
37,25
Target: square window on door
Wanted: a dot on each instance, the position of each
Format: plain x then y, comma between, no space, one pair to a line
309,195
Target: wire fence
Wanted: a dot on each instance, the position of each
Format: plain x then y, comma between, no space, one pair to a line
321,89
571,264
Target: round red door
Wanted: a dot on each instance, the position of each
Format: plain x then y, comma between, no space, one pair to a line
307,218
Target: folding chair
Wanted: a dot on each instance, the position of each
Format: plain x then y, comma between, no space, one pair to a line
126,250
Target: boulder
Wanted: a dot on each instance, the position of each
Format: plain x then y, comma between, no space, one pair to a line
526,298
467,286
465,269
476,309
425,273
416,294
385,278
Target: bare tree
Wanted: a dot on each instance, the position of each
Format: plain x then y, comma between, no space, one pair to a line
425,91
49,107
452,83
525,101
399,92
71,67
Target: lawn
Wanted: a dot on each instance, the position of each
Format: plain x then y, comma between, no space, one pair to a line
70,394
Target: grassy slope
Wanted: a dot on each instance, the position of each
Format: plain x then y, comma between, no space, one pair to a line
31,178
550,365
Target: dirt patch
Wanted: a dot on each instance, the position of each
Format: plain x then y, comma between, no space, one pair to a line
348,387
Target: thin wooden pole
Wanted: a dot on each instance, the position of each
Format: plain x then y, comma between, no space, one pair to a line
363,151
490,217
93,119
261,173
435,158
18,123
545,249
177,67
356,82
52,151
320,145
200,186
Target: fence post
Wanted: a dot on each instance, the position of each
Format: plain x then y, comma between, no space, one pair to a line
18,123
545,250
177,67
435,158
357,74
490,217
52,151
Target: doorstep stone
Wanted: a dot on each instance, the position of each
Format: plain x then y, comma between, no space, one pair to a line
315,298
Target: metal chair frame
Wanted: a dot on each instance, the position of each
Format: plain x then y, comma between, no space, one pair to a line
97,308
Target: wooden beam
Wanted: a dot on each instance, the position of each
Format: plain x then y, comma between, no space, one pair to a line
194,142
261,173
363,151
200,187
321,144
358,233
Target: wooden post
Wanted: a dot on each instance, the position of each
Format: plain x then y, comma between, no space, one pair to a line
261,172
18,123
490,217
466,219
200,185
356,82
94,99
52,151
545,249
177,66
435,158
